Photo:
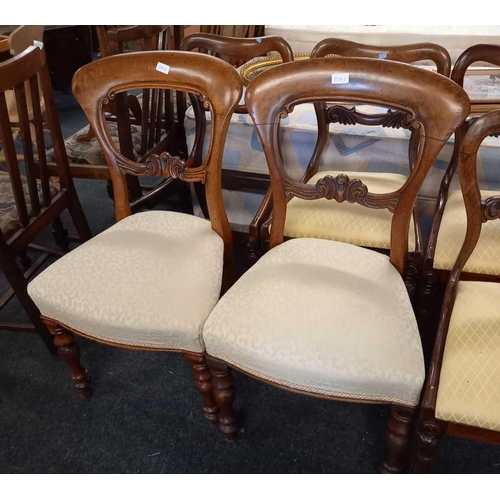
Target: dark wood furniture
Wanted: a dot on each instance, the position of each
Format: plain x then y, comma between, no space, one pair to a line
234,49
432,277
259,228
30,200
68,48
153,111
436,107
218,86
467,339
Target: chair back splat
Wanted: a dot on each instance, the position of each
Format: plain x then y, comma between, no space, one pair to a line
433,104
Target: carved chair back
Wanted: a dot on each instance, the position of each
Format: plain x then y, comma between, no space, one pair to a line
477,53
156,114
26,77
215,82
478,212
430,102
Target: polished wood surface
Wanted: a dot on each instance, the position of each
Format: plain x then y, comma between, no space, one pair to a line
325,114
219,88
27,74
430,429
431,103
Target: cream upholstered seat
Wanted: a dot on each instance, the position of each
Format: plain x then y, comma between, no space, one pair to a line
346,222
485,258
324,317
150,280
469,385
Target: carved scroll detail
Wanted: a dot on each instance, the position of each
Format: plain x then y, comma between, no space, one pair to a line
350,116
490,208
163,164
342,115
340,189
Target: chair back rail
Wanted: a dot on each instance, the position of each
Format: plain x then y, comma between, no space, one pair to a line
410,53
431,103
215,82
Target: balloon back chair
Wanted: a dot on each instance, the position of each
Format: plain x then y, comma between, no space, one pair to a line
30,200
150,281
320,317
348,223
232,49
449,221
462,390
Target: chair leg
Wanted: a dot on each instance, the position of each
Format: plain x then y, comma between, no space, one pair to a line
222,382
203,383
69,352
398,437
427,439
60,234
18,283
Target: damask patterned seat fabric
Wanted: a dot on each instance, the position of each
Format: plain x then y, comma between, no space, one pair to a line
469,385
485,258
9,218
346,222
324,317
150,280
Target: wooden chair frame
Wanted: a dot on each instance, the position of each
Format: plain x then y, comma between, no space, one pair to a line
28,72
219,87
126,110
240,49
431,278
431,103
431,429
259,228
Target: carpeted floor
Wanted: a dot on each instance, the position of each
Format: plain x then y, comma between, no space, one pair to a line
145,415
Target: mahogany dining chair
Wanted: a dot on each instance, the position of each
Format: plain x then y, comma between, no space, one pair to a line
462,390
353,223
321,317
449,220
150,281
235,50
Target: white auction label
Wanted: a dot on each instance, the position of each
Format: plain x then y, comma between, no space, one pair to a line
338,78
163,68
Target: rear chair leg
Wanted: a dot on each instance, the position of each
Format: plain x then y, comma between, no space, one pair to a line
222,382
69,352
203,383
398,437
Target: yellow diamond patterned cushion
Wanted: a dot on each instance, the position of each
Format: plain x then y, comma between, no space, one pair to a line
346,222
469,386
486,256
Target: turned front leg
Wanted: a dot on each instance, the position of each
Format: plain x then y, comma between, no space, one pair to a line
398,437
203,383
222,382
69,352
